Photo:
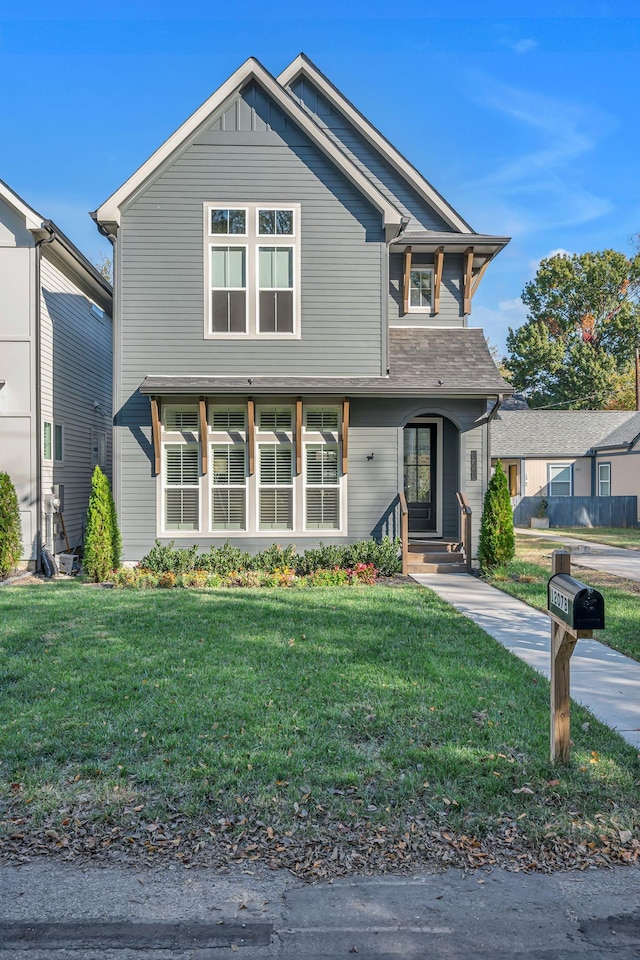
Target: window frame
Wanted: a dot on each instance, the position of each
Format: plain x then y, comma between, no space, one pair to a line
418,268
601,464
560,466
252,241
57,426
180,531
45,424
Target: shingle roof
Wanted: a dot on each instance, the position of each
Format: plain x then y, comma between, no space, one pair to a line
566,433
434,362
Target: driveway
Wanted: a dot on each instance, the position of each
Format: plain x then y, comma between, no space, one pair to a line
595,556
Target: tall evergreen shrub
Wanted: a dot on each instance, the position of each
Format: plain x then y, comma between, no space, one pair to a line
497,544
102,541
10,527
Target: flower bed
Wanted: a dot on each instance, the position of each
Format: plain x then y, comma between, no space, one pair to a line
142,578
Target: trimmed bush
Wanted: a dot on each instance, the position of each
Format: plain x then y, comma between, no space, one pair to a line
102,542
497,544
10,527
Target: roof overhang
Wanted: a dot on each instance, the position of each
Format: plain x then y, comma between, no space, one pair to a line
108,214
32,219
485,247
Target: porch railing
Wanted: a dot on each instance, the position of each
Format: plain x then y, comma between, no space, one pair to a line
404,532
465,528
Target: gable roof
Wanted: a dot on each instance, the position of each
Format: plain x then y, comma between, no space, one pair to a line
422,363
518,434
303,66
109,212
42,228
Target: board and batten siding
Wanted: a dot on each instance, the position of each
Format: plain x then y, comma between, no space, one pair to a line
76,365
379,171
18,441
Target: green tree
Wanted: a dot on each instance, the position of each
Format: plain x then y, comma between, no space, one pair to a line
102,541
104,266
10,527
581,332
497,545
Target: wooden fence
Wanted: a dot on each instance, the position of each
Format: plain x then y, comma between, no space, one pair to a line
578,511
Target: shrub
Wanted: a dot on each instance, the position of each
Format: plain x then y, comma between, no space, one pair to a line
137,578
280,577
324,557
275,558
363,573
165,558
334,577
245,578
224,560
383,554
496,547
102,542
10,527
195,578
167,580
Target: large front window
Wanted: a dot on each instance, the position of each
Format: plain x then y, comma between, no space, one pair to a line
253,285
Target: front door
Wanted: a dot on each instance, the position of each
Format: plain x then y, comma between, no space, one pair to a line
420,476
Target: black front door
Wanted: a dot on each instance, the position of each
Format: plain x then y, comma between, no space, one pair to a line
420,476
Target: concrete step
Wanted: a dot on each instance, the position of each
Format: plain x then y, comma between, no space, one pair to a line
436,557
436,568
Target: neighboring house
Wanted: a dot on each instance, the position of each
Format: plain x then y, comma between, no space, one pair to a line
55,375
291,330
569,453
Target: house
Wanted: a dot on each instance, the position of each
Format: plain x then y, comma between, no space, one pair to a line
569,453
292,348
55,375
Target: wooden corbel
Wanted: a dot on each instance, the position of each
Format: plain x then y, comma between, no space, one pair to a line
202,420
438,263
345,434
251,434
155,434
407,279
468,277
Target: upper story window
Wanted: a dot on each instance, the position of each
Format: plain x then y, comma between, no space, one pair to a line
252,271
420,290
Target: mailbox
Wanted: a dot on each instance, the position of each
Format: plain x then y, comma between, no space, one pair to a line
579,606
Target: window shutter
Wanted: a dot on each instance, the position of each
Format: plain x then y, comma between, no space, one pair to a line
273,420
182,508
228,508
323,511
322,421
229,463
322,464
181,418
228,419
276,463
182,464
276,509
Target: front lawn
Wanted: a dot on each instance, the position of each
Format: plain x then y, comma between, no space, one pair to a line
527,576
326,730
628,537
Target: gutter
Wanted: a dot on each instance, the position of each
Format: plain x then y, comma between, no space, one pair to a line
38,361
490,417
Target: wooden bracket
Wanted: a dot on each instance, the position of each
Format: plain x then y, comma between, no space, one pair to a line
438,263
406,280
298,436
202,420
251,434
155,434
345,435
478,277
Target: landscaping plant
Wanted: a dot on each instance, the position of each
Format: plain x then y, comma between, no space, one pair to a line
102,542
10,527
496,546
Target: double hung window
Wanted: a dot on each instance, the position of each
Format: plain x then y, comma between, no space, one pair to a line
252,270
322,468
228,467
604,479
420,290
560,480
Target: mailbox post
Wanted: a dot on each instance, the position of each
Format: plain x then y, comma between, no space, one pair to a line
576,610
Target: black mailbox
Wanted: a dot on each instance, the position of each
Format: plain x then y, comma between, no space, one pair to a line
579,606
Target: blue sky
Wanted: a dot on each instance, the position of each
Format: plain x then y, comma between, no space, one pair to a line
527,122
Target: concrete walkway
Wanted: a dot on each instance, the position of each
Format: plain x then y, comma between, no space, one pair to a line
596,556
603,680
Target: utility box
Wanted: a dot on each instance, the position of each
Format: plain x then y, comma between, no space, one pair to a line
574,603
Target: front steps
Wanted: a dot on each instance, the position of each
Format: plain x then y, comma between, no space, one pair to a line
435,556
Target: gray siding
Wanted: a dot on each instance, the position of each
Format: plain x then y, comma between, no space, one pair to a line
368,159
450,293
76,364
18,442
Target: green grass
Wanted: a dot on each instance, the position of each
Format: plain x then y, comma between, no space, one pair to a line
375,702
527,580
628,537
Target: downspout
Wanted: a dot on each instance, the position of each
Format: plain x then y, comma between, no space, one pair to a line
490,416
37,361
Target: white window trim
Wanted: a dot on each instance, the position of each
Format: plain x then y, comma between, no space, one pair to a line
417,268
169,441
230,440
276,531
181,407
45,458
601,464
561,466
252,241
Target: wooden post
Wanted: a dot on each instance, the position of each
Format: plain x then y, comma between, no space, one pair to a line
562,646
438,262
345,435
202,420
155,434
404,532
251,434
298,436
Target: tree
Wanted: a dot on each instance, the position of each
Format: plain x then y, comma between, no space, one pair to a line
497,545
102,541
581,332
104,266
10,527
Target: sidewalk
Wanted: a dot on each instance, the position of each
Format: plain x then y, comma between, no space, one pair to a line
596,556
603,680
